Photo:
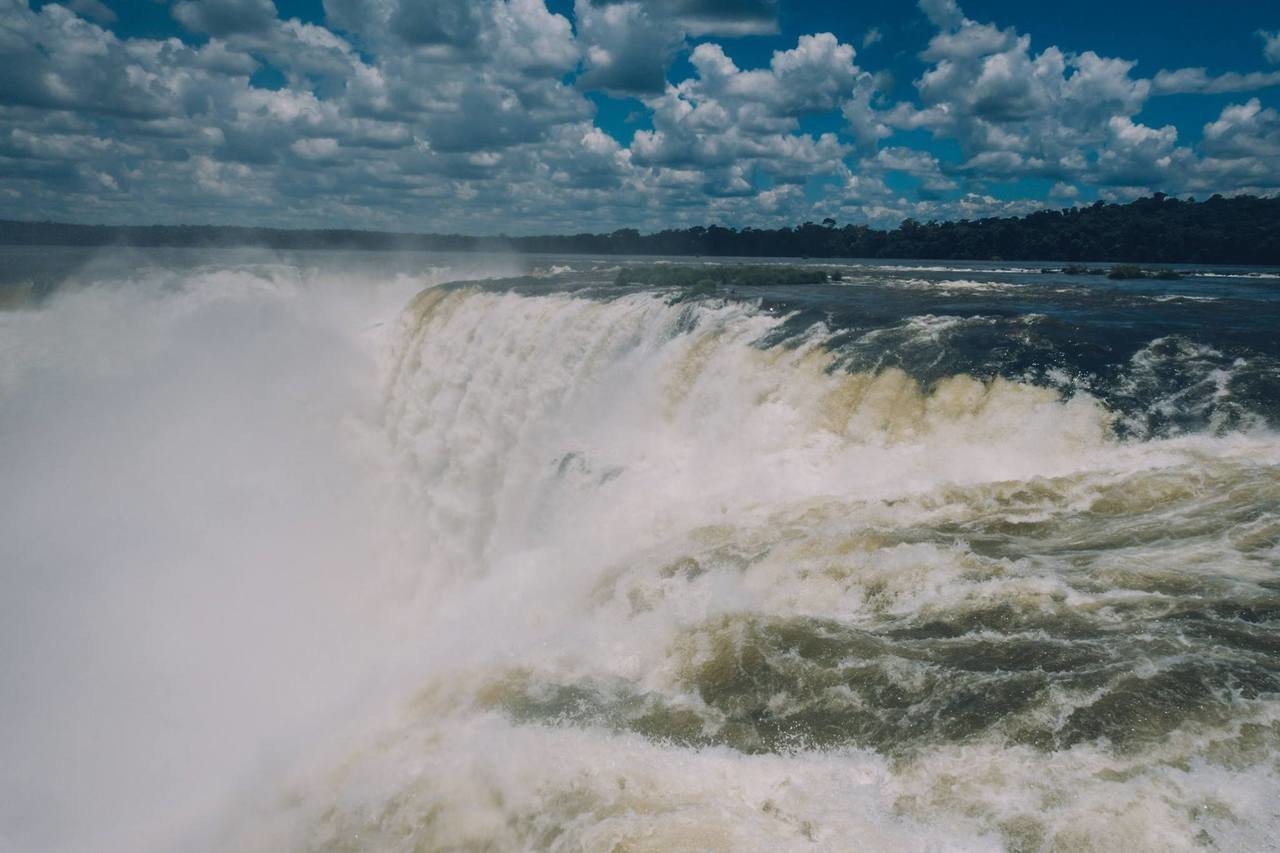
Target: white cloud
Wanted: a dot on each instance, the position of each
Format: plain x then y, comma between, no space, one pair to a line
628,48
863,121
944,14
444,23
812,77
532,39
726,17
1198,80
320,149
1017,112
94,10
919,164
1270,45
472,117
725,115
225,17
988,89
1137,155
1064,190
629,44
1244,130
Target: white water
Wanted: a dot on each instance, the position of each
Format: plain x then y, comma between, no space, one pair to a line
195,529
284,556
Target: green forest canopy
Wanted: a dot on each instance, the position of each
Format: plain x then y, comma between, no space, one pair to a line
1158,229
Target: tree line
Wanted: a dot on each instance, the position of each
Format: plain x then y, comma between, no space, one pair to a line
1157,229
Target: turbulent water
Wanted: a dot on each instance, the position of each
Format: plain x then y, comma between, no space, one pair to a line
324,552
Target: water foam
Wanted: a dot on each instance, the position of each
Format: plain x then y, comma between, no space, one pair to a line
695,591
623,572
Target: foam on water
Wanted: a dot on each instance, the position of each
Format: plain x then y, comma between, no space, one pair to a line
629,572
718,595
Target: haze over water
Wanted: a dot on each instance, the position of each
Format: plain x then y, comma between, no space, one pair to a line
321,552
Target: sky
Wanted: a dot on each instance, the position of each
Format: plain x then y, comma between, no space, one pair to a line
563,116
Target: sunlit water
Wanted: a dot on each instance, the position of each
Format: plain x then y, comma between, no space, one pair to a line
319,552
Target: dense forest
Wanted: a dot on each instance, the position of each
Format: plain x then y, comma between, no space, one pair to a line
1158,229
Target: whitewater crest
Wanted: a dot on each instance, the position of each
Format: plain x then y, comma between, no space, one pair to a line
685,582
511,407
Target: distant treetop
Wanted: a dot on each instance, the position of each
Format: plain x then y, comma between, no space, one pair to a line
1159,229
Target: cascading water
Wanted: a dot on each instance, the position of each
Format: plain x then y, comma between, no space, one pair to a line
900,563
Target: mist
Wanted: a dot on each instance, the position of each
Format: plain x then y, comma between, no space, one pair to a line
202,546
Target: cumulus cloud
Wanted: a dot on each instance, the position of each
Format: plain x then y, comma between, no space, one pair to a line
862,120
1011,106
94,10
1270,45
225,17
1241,148
1071,117
474,116
1244,130
811,77
1068,116
456,23
1137,155
55,60
945,14
726,115
918,164
628,46
1064,190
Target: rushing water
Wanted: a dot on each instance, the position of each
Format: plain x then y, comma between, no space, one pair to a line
325,553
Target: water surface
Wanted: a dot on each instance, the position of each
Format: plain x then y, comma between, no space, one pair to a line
950,557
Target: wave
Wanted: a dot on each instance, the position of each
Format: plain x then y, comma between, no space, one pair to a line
891,267
1252,275
953,286
1181,297
1174,384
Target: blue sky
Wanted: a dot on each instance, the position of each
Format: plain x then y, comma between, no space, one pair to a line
522,116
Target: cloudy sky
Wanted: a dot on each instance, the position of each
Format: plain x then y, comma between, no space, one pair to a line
536,116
